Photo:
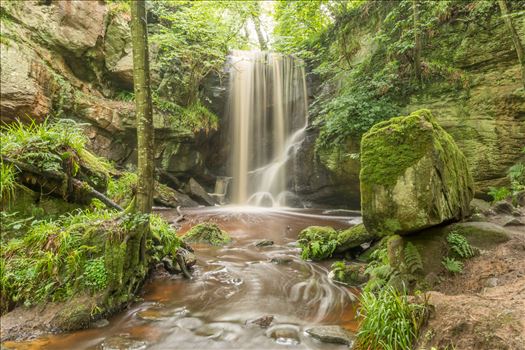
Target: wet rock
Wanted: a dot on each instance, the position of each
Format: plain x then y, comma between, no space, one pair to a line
514,222
281,259
170,266
284,334
100,323
263,321
123,341
517,213
207,233
264,243
413,176
503,207
352,274
196,191
331,334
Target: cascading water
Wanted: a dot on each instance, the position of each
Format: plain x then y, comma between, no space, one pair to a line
268,115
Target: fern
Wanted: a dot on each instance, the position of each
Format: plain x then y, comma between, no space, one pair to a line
413,260
452,265
460,245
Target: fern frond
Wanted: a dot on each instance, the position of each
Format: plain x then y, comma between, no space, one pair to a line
413,260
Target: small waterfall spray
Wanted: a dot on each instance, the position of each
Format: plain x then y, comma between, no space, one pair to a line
268,114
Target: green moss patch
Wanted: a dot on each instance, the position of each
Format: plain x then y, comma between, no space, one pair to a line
207,233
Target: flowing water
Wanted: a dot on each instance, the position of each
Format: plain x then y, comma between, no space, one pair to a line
230,286
267,110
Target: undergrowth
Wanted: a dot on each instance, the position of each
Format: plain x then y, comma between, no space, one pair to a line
390,321
77,253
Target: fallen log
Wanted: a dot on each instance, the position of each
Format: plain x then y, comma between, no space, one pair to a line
60,177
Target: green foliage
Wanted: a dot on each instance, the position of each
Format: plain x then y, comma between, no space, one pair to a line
44,145
413,261
379,270
499,193
7,183
460,246
207,233
122,188
317,242
390,321
95,274
79,252
452,265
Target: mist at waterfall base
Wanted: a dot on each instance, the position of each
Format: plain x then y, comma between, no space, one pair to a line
268,112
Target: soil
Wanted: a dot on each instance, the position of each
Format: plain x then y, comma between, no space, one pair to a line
484,306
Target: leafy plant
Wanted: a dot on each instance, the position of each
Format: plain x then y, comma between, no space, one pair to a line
499,193
95,274
452,265
413,261
460,245
7,182
390,321
317,242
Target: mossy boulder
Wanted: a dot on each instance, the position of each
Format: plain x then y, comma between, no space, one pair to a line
321,242
207,233
353,237
349,274
413,176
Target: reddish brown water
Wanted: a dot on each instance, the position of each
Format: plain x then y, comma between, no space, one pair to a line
230,286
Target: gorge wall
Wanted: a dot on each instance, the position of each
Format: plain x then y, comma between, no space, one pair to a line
73,59
481,103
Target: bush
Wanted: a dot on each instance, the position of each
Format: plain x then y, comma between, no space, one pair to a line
390,321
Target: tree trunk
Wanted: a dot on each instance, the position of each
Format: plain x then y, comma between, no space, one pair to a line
515,38
417,42
262,41
141,82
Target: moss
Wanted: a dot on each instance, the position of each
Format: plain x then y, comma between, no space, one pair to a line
353,237
413,176
207,233
391,146
352,274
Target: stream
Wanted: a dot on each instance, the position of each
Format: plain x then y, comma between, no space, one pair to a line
231,286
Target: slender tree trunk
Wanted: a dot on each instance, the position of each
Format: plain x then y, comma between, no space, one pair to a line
144,112
515,38
262,41
417,41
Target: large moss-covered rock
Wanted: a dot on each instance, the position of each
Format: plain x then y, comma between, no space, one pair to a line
413,176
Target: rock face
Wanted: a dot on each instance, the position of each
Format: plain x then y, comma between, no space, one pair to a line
413,176
331,334
73,59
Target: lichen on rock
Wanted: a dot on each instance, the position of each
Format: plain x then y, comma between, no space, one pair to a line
413,176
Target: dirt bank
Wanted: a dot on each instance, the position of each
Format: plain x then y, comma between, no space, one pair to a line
483,307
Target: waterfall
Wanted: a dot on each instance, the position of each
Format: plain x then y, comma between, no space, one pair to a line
267,110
